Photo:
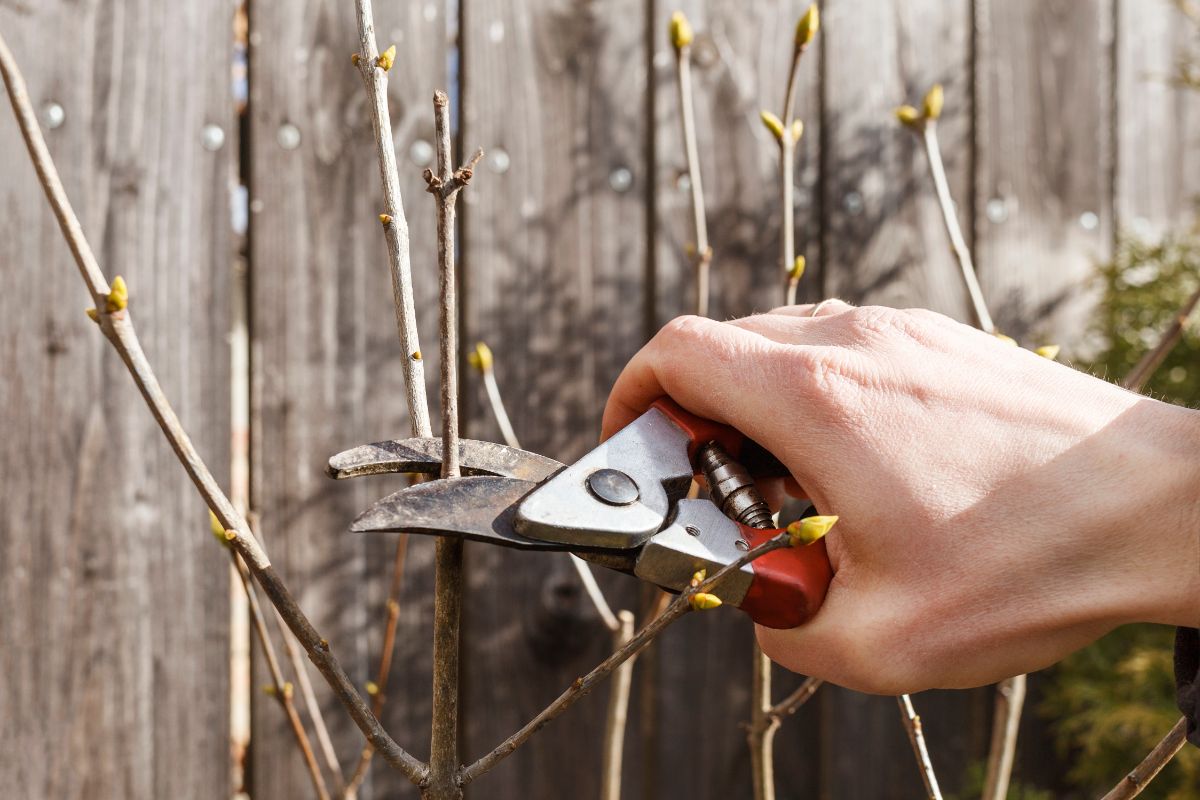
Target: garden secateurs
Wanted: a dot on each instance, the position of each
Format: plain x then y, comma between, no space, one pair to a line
622,506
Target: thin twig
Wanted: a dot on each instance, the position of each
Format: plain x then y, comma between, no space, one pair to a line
791,704
1141,775
281,690
618,714
1006,722
916,737
118,328
676,609
787,169
1153,358
385,664
760,734
702,254
937,170
448,560
497,404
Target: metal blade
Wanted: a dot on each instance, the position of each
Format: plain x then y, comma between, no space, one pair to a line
424,455
478,508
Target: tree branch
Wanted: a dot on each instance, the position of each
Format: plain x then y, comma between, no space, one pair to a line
618,714
1154,357
1141,775
118,328
702,255
1006,722
912,726
790,704
676,609
760,734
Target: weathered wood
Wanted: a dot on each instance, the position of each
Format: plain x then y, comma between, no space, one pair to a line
116,679
554,260
1157,121
1043,178
325,355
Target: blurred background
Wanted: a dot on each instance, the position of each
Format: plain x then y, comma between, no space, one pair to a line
220,156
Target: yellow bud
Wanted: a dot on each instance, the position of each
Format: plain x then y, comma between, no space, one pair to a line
416,356
810,529
680,31
118,295
934,99
386,59
773,123
798,268
386,219
355,58
92,314
698,577
808,26
703,601
481,359
1006,339
797,130
288,689
372,688
1049,351
215,526
908,116
230,535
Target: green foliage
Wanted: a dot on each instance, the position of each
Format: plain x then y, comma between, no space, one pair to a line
975,777
1113,701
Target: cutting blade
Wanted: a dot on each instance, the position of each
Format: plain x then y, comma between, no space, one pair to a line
424,455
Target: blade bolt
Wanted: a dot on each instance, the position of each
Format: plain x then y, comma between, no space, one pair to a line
613,487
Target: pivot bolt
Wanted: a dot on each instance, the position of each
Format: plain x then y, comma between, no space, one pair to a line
613,487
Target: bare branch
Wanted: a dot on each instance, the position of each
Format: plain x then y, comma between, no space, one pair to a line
117,326
676,609
916,737
618,714
1006,722
790,704
760,734
1141,775
702,255
1153,358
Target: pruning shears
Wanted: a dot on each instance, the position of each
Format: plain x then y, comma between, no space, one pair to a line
622,506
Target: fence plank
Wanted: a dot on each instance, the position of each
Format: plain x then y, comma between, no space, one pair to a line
115,598
1043,177
325,353
554,265
1157,166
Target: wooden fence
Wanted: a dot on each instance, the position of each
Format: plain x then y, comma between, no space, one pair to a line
1060,130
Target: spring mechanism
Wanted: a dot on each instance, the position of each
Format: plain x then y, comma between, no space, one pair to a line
732,488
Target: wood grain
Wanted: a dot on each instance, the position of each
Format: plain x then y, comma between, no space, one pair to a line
116,599
326,361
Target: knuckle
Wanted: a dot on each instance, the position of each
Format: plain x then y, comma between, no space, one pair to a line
873,324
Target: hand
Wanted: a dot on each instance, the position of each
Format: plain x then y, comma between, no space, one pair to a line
998,510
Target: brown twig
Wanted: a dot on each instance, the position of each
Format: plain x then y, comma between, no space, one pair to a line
281,690
760,734
1153,358
676,609
1141,775
118,328
916,737
1006,722
681,36
791,704
618,714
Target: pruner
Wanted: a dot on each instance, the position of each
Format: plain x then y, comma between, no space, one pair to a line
623,506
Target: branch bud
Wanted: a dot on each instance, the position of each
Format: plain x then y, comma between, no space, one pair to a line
935,98
355,58
118,296
797,130
1049,351
810,529
698,577
385,219
416,356
481,359
1006,339
372,688
703,601
386,59
93,315
909,117
217,529
808,26
798,266
773,123
680,31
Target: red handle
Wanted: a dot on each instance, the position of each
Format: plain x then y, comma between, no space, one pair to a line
789,585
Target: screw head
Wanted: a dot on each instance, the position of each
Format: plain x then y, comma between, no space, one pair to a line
288,136
421,153
498,161
1089,220
613,487
53,115
212,137
620,179
997,210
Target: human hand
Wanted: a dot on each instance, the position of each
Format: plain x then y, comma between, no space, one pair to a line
997,510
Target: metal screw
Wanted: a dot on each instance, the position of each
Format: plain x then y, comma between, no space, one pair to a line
692,530
421,153
853,203
1089,221
288,136
620,179
498,161
613,487
997,210
496,31
53,115
212,137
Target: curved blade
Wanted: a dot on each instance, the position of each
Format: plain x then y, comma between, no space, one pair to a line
425,455
478,508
